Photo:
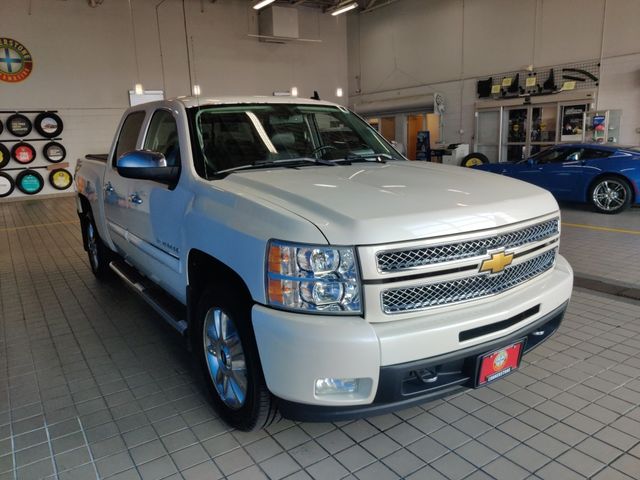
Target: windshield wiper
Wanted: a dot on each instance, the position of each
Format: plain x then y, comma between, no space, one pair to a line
366,157
283,162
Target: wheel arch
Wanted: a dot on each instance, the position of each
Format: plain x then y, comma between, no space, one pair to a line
204,269
601,175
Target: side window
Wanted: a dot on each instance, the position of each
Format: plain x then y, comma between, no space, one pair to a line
128,134
592,153
162,137
553,155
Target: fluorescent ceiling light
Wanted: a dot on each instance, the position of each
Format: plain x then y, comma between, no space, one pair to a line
196,89
346,8
339,92
139,89
294,91
262,3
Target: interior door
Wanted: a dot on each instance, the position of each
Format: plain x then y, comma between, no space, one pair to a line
515,134
155,239
116,188
488,134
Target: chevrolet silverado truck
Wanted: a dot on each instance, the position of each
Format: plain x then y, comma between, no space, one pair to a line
316,273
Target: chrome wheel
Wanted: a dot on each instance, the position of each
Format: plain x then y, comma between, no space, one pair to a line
225,358
609,195
92,246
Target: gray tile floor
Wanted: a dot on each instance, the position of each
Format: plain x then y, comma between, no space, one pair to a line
93,385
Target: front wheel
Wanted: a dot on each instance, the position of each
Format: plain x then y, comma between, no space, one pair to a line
228,357
610,195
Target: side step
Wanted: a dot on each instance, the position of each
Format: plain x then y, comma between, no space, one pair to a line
172,311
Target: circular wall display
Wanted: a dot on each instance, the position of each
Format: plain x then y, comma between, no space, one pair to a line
60,179
18,125
1,127
23,153
6,185
5,156
29,182
48,124
54,152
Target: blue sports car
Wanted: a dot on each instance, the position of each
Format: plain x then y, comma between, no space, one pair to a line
607,176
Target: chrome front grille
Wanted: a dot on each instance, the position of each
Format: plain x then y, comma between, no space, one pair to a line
399,260
409,299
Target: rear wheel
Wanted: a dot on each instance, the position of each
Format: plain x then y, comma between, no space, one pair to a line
474,159
97,251
228,357
610,195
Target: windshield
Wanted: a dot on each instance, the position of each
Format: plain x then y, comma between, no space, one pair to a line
231,136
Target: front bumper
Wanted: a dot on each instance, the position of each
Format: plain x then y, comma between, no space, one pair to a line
400,385
296,349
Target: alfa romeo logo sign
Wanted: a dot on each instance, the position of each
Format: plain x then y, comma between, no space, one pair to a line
16,62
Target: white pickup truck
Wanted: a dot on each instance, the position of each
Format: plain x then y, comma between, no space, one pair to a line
315,272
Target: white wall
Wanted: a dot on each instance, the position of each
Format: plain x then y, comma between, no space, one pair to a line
422,46
84,61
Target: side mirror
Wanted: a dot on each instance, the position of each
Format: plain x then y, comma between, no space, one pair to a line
146,165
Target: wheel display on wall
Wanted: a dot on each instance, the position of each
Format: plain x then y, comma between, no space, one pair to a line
48,124
1,127
474,159
6,185
54,152
5,156
23,153
18,125
29,182
60,179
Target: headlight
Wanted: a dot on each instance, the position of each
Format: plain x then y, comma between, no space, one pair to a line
313,278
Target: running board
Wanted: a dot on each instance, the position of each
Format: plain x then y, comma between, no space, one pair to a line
166,306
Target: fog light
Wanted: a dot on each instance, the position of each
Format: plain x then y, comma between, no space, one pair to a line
336,386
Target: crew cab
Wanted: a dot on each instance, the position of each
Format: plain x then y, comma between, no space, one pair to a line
315,272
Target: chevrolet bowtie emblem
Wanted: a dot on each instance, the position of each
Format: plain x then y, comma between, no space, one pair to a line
497,262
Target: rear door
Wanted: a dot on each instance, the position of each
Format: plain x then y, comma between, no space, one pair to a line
156,210
116,188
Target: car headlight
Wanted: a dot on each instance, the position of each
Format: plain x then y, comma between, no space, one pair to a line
313,278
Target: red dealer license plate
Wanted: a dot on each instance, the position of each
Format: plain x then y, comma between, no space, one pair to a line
499,363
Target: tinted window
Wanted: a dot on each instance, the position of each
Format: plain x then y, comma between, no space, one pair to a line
162,137
553,155
591,153
129,134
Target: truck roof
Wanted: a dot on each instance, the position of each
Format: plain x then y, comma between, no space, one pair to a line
191,101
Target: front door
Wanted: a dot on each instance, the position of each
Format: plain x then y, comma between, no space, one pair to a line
116,188
156,240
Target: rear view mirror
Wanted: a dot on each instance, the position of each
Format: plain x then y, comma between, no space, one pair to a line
146,165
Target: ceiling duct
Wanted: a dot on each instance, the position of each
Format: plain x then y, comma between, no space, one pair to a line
416,103
278,24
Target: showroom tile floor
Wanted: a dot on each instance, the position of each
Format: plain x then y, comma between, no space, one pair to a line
93,385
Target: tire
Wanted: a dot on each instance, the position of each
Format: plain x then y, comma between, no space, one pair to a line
5,156
610,194
97,251
6,185
248,405
474,159
23,153
48,124
18,125
54,152
29,182
60,179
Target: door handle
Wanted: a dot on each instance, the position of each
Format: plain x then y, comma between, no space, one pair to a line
135,198
108,188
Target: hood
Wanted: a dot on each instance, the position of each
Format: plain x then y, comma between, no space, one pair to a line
373,203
